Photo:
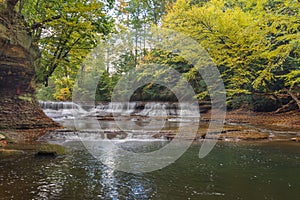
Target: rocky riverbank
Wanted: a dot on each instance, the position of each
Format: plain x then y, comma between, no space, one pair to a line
14,142
278,126
235,129
240,125
276,121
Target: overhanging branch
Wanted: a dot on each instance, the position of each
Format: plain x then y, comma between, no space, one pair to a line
37,25
295,98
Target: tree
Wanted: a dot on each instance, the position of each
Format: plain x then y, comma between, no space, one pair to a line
137,16
39,38
66,32
255,44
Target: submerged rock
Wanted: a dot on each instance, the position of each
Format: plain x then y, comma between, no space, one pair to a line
46,154
50,150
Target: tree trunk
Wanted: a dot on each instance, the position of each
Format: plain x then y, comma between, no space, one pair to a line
18,107
294,97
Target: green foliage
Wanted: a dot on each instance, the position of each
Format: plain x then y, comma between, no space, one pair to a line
137,17
105,87
292,78
178,63
255,44
65,32
256,102
45,93
167,58
124,63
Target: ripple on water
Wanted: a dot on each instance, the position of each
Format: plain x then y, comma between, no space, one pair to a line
230,171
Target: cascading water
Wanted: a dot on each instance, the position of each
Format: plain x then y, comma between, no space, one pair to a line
154,109
61,110
139,120
150,109
116,108
52,105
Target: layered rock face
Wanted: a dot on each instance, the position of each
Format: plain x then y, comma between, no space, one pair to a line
18,56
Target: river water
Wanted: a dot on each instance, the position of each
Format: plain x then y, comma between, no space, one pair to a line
232,170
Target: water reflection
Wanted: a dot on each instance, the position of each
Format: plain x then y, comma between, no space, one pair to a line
108,179
80,176
52,184
232,171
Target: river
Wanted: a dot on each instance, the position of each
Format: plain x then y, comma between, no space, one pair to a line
232,170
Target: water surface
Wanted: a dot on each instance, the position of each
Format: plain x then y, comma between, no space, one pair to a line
266,170
233,170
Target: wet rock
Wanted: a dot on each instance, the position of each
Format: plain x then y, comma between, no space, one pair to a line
170,136
113,135
158,135
204,108
8,152
3,141
245,135
46,154
295,139
2,137
50,150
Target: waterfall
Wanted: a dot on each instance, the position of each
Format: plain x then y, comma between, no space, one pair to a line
169,110
121,108
114,108
143,109
130,125
59,110
154,110
53,105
